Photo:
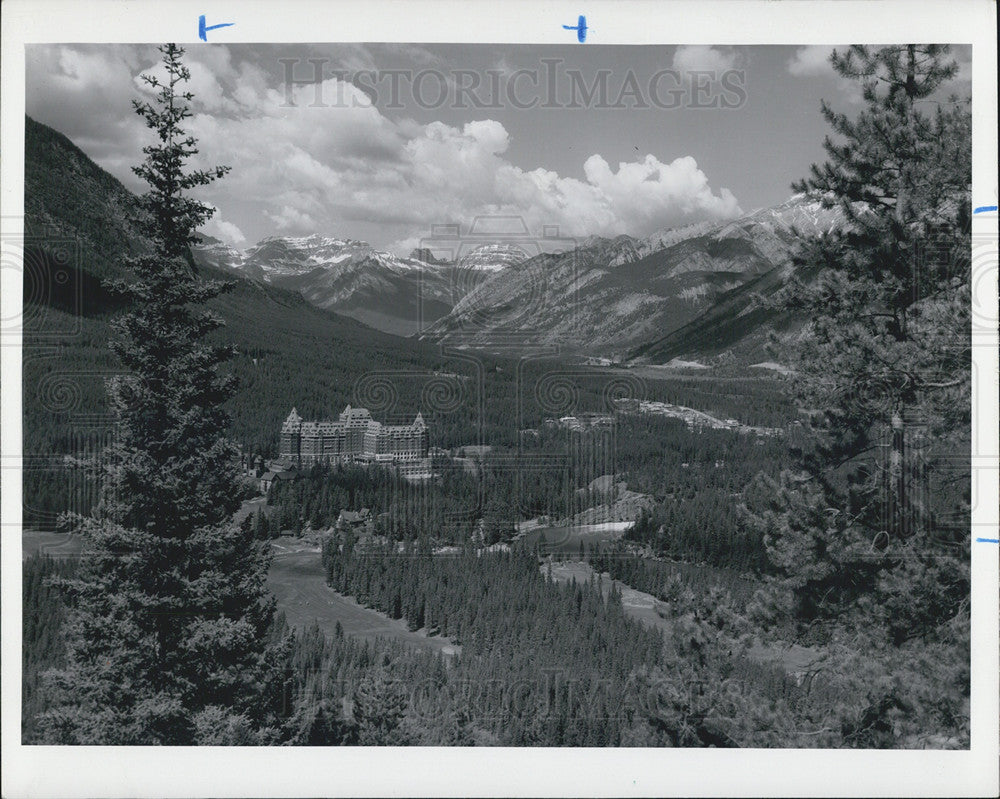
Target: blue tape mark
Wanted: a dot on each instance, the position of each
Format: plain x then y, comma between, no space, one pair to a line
580,28
983,209
988,540
203,28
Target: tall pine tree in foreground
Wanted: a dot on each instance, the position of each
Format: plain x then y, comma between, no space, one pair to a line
869,538
169,613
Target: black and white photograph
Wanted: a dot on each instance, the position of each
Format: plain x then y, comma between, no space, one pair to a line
422,396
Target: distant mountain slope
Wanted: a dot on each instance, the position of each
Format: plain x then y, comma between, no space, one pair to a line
71,205
610,297
734,324
396,295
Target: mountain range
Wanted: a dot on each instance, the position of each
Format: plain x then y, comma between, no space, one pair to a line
679,292
398,295
617,297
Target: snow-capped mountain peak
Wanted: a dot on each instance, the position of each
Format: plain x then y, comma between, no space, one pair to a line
496,256
397,295
277,257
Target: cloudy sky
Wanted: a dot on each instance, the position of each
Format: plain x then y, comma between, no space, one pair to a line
396,139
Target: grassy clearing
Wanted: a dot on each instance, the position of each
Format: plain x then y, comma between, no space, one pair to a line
298,582
567,540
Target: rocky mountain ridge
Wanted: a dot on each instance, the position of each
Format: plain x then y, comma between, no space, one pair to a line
612,297
606,297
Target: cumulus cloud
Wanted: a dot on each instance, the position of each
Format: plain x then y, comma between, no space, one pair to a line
224,231
644,194
811,60
449,174
291,220
299,168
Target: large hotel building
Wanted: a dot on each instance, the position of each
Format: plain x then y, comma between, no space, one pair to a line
354,437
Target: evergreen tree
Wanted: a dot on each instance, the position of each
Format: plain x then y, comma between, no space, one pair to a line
169,613
379,706
869,537
884,365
